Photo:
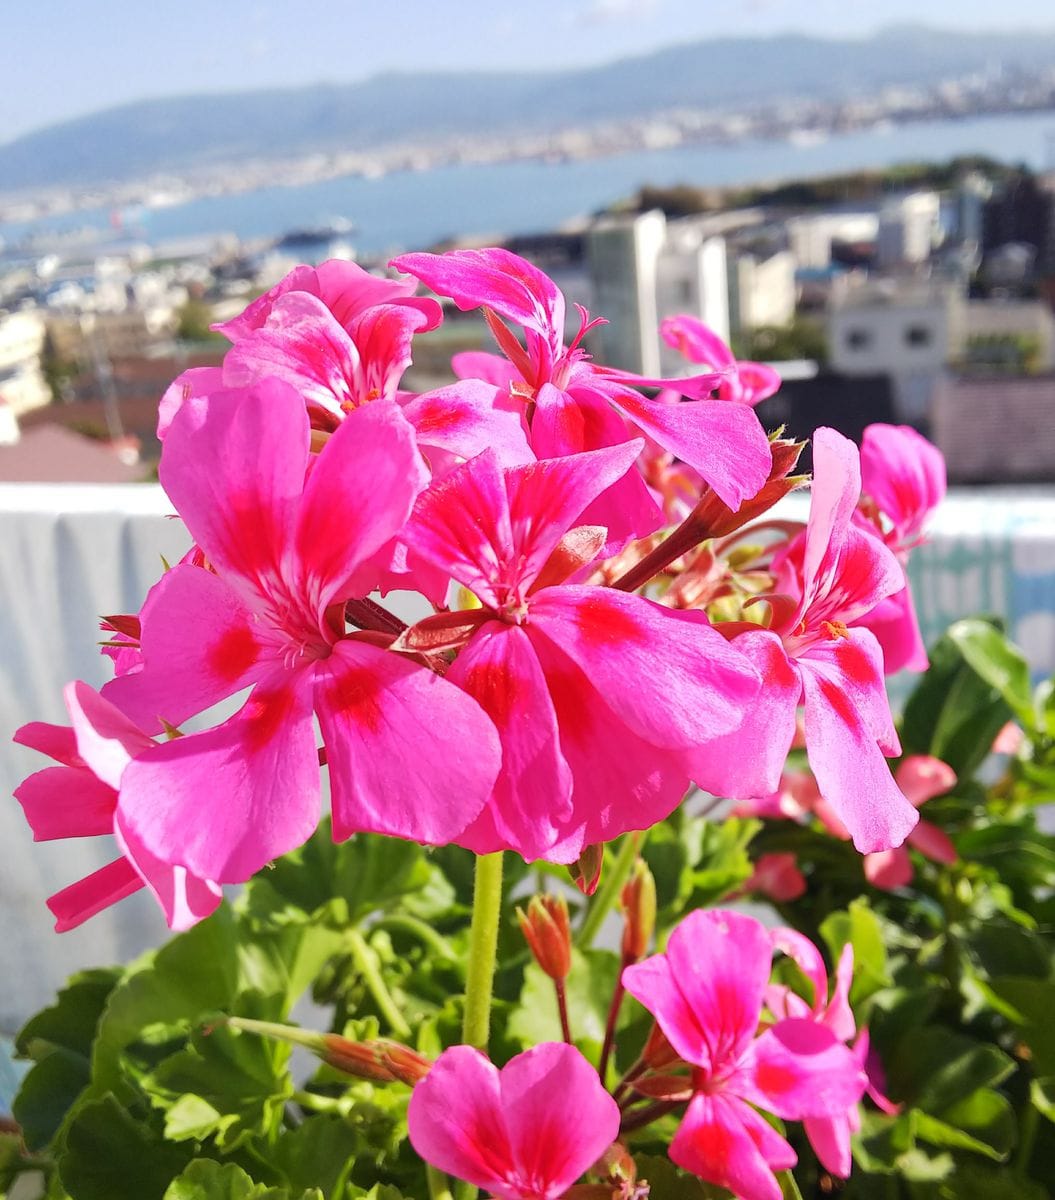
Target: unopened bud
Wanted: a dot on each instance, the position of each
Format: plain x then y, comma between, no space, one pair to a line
547,931
585,871
638,900
717,519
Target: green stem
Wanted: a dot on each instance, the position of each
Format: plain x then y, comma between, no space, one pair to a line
419,929
483,946
366,960
439,1188
611,885
1027,1133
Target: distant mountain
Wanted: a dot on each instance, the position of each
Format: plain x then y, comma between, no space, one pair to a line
136,140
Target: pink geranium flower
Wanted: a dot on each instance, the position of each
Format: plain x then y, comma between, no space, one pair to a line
595,693
287,547
742,382
921,777
79,799
706,993
831,576
526,1132
903,482
572,404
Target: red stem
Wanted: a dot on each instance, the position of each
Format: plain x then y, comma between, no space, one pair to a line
646,1116
613,1017
562,1008
369,615
686,537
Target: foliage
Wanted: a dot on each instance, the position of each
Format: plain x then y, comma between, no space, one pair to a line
139,1090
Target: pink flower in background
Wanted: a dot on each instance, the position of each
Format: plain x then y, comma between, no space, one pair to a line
830,576
287,547
526,1132
777,877
79,799
921,778
903,482
572,404
742,382
595,692
706,993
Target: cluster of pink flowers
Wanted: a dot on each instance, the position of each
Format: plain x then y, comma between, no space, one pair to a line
727,1043
566,707
582,664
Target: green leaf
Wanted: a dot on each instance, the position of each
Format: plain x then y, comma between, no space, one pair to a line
1042,1094
590,986
983,1123
111,1156
859,926
1031,1005
209,1180
48,1094
1002,665
319,1152
934,1068
954,713
240,1076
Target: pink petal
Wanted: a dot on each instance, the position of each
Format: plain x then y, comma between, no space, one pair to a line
696,341
933,843
833,498
234,465
75,904
777,877
106,739
455,1121
225,802
706,992
718,1140
195,382
56,741
302,344
922,777
621,782
848,726
383,335
566,424
896,628
464,420
200,645
559,1117
184,898
749,761
409,754
889,869
63,802
489,368
830,1139
757,382
798,1068
904,474
502,281
807,958
724,442
356,499
531,802
839,1017
668,675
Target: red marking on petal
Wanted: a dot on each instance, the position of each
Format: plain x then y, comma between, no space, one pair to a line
774,1079
600,623
855,664
573,717
838,702
494,689
356,695
264,714
437,418
234,653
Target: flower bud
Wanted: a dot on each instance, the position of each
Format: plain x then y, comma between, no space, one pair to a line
585,871
658,1052
638,900
378,1059
717,519
547,931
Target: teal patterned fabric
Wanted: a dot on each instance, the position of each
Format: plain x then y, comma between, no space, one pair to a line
10,1076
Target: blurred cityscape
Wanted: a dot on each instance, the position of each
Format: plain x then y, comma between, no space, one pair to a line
923,296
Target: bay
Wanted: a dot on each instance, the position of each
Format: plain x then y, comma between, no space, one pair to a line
414,209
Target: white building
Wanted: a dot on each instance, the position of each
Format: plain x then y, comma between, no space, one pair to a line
644,268
905,330
812,235
21,341
909,229
762,289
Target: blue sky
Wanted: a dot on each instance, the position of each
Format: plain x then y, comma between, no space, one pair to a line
64,58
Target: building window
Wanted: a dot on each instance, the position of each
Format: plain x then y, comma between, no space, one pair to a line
858,339
917,335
